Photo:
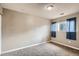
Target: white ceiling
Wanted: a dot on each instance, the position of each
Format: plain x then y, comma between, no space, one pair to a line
38,9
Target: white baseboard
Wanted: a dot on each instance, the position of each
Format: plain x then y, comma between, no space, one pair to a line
66,45
21,48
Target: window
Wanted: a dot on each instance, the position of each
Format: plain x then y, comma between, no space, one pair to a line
63,26
71,29
53,29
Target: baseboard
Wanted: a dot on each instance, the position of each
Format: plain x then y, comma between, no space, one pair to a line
65,45
21,48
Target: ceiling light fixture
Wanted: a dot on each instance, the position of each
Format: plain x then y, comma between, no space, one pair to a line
50,7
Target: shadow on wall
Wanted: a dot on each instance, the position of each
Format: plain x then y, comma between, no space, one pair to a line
14,23
33,36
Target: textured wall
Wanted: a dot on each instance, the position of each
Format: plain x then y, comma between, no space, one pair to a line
20,30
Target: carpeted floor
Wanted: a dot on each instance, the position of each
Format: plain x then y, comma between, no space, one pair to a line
47,49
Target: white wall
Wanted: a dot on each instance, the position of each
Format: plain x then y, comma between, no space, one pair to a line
20,30
61,36
0,27
0,34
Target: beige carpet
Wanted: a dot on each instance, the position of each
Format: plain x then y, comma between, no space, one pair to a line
47,49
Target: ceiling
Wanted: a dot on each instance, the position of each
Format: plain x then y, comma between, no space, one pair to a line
39,9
